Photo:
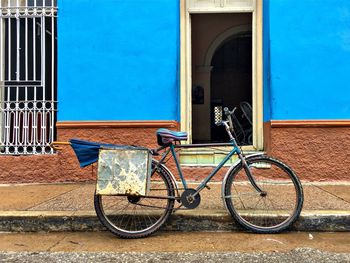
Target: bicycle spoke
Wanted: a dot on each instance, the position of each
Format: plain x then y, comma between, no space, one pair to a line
239,197
274,209
152,206
121,220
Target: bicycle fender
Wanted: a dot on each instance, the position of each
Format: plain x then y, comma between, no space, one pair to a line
234,166
172,177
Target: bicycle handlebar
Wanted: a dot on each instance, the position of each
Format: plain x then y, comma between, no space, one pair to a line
228,114
228,123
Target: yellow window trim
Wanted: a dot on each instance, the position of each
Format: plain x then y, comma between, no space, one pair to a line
254,7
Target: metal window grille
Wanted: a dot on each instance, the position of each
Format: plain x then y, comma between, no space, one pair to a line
28,55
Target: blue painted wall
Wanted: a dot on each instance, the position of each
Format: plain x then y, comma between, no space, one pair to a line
308,44
118,60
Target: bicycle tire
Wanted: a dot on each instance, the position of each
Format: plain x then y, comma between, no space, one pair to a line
130,222
283,199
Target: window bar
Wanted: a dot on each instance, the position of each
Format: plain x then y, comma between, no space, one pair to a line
8,117
9,42
16,131
8,109
34,114
25,106
34,42
2,38
18,43
43,77
52,109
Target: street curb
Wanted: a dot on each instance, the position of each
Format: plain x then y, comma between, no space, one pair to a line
61,221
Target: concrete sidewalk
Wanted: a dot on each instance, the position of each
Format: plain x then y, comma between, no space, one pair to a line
69,207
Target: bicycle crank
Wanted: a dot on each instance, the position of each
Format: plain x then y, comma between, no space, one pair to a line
189,200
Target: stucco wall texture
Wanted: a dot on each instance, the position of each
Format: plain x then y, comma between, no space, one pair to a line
316,154
64,166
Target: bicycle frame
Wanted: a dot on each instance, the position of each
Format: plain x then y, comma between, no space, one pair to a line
236,150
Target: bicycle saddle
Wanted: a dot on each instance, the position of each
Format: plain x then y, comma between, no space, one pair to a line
165,136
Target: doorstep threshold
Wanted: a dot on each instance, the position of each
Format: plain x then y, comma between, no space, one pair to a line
209,157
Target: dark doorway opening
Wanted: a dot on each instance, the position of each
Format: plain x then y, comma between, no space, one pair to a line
231,86
221,75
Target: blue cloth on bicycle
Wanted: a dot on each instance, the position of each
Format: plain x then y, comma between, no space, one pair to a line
87,152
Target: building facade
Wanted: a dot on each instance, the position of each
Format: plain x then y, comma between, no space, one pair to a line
117,70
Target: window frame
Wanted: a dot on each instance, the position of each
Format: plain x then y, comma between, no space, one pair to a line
28,111
188,7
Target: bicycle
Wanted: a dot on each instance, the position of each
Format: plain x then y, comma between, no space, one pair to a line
261,193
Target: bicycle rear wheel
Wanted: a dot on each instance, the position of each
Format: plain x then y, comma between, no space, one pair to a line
271,211
134,216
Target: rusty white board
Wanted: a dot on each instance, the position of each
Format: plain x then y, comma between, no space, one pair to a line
123,171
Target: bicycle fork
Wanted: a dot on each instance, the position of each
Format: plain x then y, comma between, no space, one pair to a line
240,155
249,175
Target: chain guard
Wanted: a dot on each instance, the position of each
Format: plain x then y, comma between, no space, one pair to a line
189,201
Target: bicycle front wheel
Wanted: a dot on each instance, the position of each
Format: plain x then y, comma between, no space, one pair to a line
272,210
131,216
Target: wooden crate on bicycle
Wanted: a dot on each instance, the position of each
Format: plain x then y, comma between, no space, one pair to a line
123,171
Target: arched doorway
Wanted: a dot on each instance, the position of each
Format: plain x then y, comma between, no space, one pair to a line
231,85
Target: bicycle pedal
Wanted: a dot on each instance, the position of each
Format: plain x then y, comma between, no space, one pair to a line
206,186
